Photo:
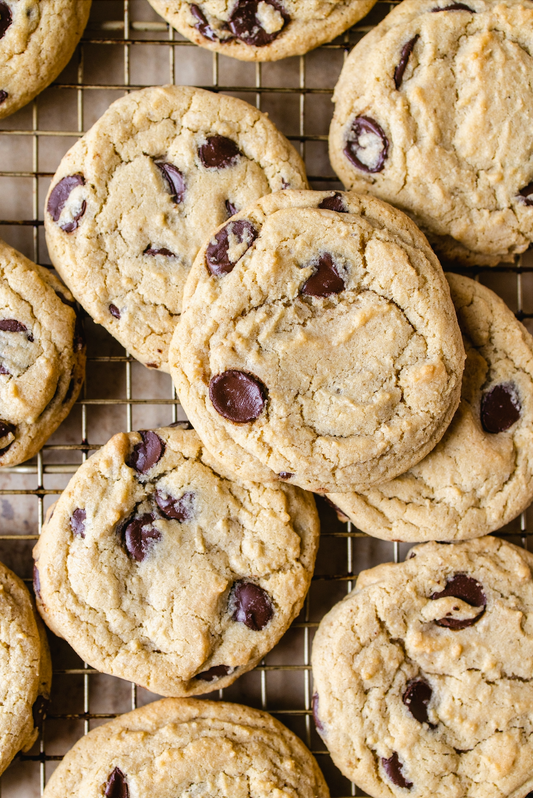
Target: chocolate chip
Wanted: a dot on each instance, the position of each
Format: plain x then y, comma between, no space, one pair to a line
285,475
238,396
202,25
467,589
455,7
500,408
230,208
146,453
3,96
12,325
162,251
407,49
334,203
6,429
394,770
5,19
181,509
251,605
216,672
36,581
325,280
139,536
218,152
318,723
217,253
116,786
3,370
181,425
114,311
526,194
77,522
174,180
416,698
244,22
58,199
363,132
69,227
39,710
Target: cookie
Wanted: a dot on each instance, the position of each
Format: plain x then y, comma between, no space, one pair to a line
175,748
159,568
37,40
319,344
480,476
262,30
25,668
424,674
133,200
432,114
42,356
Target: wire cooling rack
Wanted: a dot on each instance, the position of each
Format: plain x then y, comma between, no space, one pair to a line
127,46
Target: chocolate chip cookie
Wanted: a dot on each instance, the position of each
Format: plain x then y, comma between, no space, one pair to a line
424,674
25,668
133,200
182,747
480,475
262,30
37,40
432,111
159,568
319,344
42,355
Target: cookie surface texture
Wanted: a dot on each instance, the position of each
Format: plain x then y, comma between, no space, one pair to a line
175,748
262,30
480,476
133,200
158,568
431,115
42,355
37,40
319,342
409,668
25,668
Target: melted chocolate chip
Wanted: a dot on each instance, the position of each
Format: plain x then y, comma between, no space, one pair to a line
12,325
245,24
407,49
146,453
162,251
238,396
181,509
318,723
3,96
114,311
3,370
36,581
364,126
39,710
394,770
218,152
77,522
416,698
500,408
325,280
285,475
5,19
251,605
217,254
69,227
174,180
216,672
230,208
455,7
116,786
334,203
59,196
526,194
181,425
6,428
467,589
202,25
139,536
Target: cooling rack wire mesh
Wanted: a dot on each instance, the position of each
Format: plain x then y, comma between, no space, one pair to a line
127,46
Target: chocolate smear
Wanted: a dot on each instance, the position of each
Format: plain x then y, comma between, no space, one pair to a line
246,26
467,589
161,251
455,7
181,509
60,194
357,142
416,698
407,49
77,522
202,25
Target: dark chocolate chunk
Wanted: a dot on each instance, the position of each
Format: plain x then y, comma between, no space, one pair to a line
181,509
334,203
202,25
217,253
3,96
394,770
6,19
467,589
12,325
230,208
216,672
500,408
407,49
285,475
251,605
36,581
116,786
455,7
174,180
59,196
526,194
146,453
3,370
325,280
161,251
114,311
139,535
39,710
218,152
363,126
238,396
246,26
318,723
416,698
77,522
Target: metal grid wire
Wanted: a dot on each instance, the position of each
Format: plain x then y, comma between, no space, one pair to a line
295,94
